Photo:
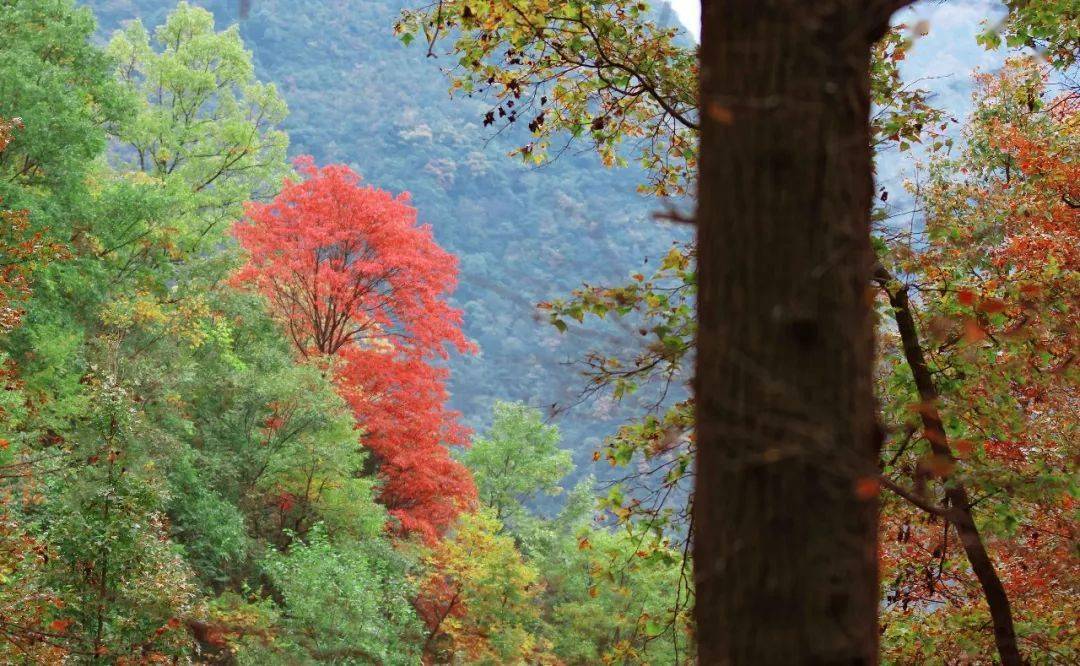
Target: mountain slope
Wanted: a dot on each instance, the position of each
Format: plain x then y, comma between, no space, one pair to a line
357,96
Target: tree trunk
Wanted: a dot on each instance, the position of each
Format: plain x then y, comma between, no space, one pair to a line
785,548
959,512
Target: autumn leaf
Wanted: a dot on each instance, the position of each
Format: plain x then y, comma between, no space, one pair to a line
963,447
992,305
973,332
867,487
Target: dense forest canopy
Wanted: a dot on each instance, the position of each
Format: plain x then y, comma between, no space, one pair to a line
363,332
522,234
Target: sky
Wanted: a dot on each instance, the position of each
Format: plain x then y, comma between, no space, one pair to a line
689,12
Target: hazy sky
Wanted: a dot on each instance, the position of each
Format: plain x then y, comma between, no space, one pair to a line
689,12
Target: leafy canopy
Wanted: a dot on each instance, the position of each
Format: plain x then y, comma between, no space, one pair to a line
360,286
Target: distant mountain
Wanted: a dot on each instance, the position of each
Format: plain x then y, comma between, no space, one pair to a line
357,95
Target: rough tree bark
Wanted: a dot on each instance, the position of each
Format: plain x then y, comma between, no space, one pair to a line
785,513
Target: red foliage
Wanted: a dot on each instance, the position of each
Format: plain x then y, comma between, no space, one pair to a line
1044,221
400,402
1004,221
353,278
348,265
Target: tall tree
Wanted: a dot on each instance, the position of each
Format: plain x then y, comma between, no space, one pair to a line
59,84
206,128
983,356
785,526
606,72
607,594
356,282
25,601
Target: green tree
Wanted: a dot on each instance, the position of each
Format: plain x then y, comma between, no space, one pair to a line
118,576
206,129
516,460
61,87
607,601
169,450
346,603
607,593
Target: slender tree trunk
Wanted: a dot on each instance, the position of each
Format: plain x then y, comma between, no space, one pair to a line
429,643
959,510
785,548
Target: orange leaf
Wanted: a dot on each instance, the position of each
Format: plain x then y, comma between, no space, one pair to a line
992,305
871,295
966,297
972,331
1030,290
924,408
934,437
963,447
60,626
867,487
721,114
940,466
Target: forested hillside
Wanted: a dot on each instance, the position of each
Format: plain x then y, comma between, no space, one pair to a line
523,234
225,429
305,360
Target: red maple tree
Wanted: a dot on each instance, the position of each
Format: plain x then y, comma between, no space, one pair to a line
355,280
